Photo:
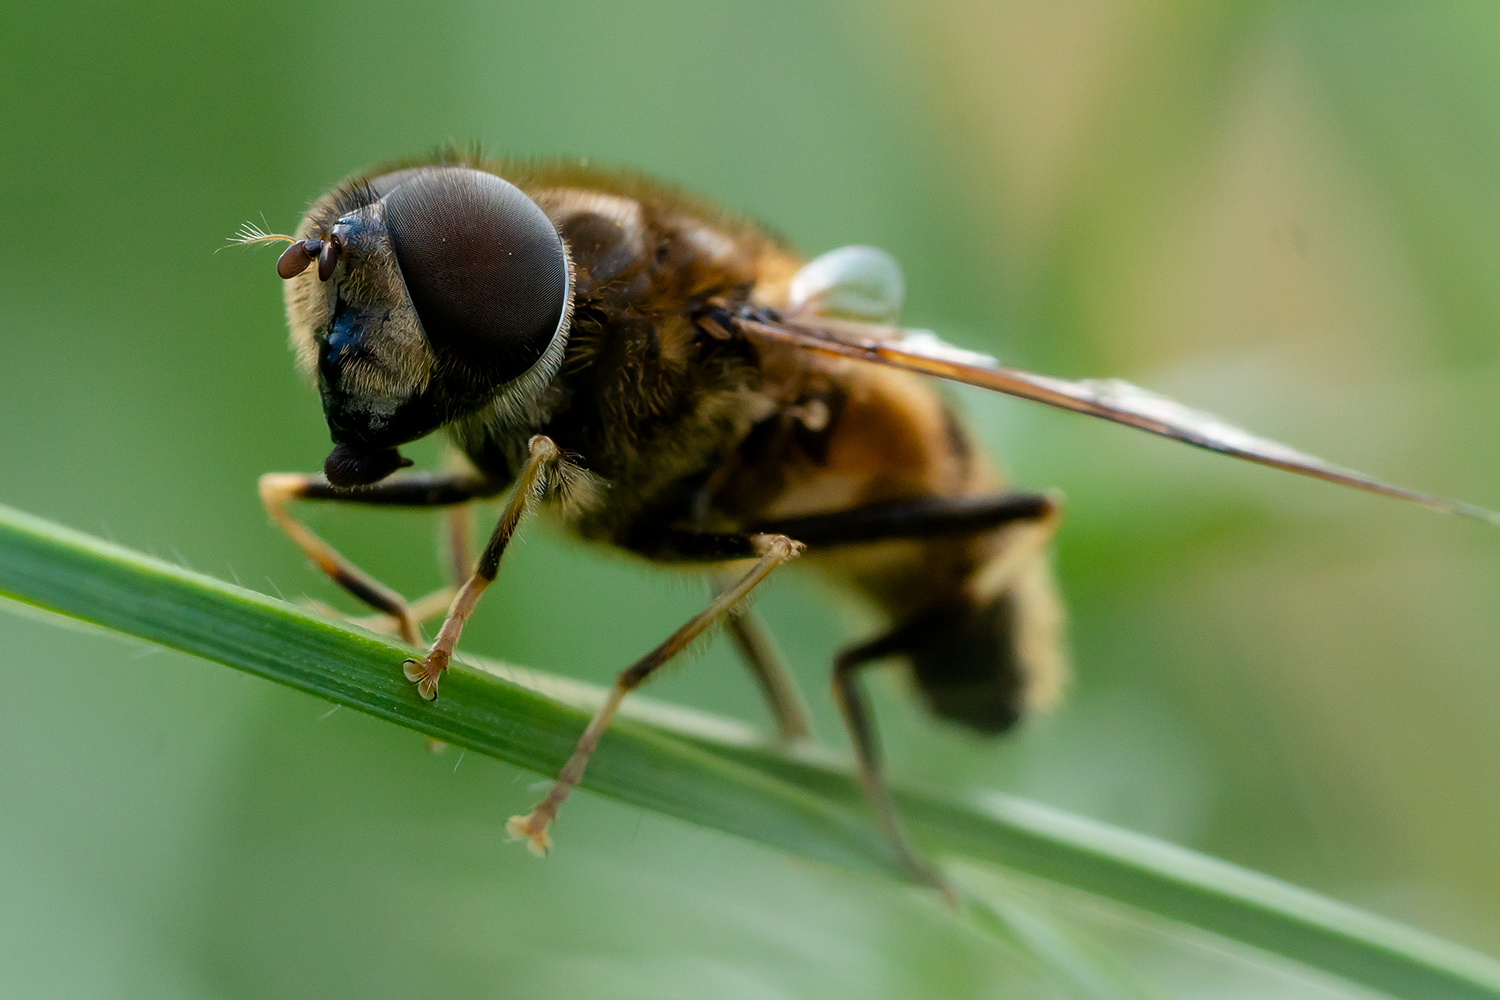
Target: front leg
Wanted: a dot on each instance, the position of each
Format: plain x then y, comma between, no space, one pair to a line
530,485
279,489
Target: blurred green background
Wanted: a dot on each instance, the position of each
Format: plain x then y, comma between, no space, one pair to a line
1285,212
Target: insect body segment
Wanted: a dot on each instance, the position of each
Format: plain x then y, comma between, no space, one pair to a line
673,381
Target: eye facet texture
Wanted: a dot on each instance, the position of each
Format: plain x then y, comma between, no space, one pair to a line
485,268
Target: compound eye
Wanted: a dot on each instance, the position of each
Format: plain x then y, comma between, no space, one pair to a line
485,268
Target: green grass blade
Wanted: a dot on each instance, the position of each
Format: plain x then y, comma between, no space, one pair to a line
1083,969
710,771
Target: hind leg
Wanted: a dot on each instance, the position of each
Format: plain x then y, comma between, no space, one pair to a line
960,625
861,724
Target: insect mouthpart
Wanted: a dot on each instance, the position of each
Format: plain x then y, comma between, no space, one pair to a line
348,466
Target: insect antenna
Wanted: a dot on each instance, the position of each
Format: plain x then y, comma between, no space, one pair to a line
249,233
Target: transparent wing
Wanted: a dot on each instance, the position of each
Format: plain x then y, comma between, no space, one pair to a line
921,351
858,283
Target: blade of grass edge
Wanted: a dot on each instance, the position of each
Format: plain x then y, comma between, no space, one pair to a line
709,771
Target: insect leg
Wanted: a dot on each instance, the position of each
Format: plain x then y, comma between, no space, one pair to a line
427,671
773,550
861,724
457,542
925,518
758,649
457,538
278,489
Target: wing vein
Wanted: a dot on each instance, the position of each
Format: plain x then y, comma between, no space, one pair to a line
1113,400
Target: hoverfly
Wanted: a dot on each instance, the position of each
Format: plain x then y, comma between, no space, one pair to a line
675,381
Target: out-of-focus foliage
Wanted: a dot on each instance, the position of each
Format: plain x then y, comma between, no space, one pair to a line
1283,212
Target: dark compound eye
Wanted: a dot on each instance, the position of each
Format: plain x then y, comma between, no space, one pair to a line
485,267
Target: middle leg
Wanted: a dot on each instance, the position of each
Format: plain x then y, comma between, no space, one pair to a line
758,648
773,550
